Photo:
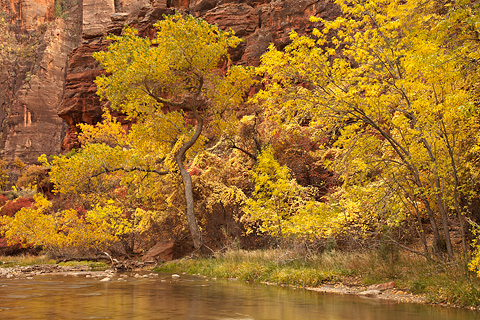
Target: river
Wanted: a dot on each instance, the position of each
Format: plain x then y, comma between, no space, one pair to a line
50,297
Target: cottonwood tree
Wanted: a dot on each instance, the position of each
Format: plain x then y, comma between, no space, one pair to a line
395,96
279,206
66,231
170,87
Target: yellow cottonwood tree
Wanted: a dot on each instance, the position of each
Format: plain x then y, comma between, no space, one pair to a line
394,94
280,206
58,232
168,87
271,202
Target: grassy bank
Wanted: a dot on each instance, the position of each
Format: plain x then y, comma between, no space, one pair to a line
449,284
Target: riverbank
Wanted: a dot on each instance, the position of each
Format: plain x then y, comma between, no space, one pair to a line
400,277
29,267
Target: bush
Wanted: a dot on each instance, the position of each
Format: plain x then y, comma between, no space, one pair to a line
34,177
3,200
387,250
13,206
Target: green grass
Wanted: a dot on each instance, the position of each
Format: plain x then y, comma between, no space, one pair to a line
451,284
265,266
92,265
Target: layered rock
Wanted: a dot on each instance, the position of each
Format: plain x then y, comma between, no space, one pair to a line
31,125
57,78
263,22
259,22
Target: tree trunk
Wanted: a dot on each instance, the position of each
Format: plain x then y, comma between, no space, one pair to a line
420,230
438,196
433,224
446,232
187,181
456,193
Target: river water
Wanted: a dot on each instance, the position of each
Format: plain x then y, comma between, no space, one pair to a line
50,297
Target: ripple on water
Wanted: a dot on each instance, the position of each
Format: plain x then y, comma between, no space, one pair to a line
74,298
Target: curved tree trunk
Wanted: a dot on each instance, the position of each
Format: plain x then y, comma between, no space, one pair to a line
187,181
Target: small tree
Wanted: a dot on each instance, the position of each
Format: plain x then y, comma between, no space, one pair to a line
392,93
67,230
280,206
168,87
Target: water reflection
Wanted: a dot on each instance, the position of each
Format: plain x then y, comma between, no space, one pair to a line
59,297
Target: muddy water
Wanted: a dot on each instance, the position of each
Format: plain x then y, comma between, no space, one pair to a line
67,297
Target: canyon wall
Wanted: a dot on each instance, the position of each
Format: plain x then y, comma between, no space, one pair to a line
33,88
53,90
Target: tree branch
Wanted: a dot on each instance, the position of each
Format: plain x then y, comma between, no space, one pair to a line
168,103
234,146
107,170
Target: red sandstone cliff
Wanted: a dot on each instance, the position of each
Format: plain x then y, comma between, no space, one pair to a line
58,80
34,84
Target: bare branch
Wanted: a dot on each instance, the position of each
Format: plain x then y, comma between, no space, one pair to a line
234,146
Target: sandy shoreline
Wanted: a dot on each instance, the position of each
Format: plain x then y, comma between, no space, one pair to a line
391,294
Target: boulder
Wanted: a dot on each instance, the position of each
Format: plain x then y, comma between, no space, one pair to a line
160,252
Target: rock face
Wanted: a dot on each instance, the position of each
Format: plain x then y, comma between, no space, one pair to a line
263,22
30,123
33,124
53,90
259,22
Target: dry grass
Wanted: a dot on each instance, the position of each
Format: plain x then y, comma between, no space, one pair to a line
24,260
451,284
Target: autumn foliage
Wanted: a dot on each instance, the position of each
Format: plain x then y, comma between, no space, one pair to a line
65,231
387,92
11,207
366,126
3,200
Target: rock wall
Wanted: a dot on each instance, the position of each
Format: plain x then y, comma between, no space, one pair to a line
57,92
33,126
259,22
30,122
262,22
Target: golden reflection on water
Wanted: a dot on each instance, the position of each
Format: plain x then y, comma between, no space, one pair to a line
66,297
